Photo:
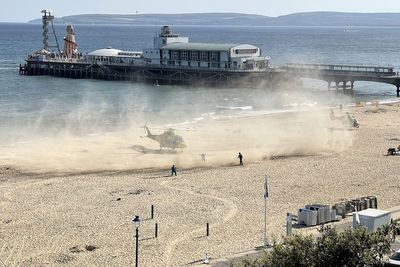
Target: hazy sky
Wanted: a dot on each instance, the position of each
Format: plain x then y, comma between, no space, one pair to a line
24,10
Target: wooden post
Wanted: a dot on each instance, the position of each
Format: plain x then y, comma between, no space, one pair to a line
152,212
207,229
156,231
398,91
288,224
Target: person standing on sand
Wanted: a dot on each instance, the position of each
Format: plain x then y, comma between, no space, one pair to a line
240,157
173,170
203,157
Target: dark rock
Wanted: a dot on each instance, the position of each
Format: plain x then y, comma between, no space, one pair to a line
75,249
90,247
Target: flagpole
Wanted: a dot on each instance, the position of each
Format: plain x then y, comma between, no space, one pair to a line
265,223
265,211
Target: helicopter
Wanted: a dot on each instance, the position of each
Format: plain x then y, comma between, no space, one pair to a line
348,120
167,139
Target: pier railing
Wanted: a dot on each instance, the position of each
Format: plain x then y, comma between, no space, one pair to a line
142,65
344,76
348,69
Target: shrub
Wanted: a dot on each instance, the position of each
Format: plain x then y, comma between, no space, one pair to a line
350,248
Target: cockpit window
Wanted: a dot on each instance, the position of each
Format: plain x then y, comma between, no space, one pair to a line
395,256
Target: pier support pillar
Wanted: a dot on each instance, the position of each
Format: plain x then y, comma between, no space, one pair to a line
329,85
344,85
398,90
352,85
337,86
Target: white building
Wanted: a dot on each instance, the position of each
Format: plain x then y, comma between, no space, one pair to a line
206,55
371,218
174,51
110,55
171,50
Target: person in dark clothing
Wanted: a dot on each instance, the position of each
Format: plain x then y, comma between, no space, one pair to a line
240,157
173,170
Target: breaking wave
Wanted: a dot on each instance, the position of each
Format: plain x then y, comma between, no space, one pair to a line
235,108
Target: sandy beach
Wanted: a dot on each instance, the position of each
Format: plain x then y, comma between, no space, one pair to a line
59,196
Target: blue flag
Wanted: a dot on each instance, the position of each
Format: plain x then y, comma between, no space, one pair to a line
266,194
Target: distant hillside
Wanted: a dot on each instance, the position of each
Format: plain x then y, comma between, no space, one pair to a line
163,19
237,19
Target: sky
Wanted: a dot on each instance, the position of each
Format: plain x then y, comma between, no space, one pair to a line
25,10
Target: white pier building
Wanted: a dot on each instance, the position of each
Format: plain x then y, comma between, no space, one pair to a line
172,51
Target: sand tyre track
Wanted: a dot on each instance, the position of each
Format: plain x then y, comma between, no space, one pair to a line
233,210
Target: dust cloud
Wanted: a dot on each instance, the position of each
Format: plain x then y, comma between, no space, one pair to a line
125,147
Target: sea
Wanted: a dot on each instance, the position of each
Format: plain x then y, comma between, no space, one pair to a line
44,105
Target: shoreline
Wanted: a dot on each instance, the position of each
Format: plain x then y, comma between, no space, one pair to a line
261,113
215,137
190,126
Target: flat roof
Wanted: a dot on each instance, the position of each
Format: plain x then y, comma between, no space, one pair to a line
373,212
105,52
199,46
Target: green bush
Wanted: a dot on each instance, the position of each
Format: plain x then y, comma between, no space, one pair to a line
350,248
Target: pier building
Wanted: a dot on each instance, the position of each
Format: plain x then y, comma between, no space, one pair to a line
171,50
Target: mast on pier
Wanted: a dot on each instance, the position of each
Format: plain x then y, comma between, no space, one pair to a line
47,19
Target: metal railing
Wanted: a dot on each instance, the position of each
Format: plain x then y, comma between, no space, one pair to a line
141,64
342,68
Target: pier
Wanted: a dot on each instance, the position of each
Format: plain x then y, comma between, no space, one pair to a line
171,60
343,76
338,77
153,74
175,60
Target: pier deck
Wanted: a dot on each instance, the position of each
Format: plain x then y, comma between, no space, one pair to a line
344,76
337,76
152,73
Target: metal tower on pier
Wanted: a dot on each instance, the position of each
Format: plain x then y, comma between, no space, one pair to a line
47,19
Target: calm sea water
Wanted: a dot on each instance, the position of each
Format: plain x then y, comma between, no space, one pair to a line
47,105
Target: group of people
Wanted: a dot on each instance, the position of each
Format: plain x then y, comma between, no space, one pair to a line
392,151
203,158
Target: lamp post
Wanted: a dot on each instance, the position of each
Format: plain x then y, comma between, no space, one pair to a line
137,221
